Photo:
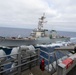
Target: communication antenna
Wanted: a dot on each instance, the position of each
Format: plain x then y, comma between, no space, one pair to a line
41,22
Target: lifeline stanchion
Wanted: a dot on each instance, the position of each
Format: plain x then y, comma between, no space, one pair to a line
19,61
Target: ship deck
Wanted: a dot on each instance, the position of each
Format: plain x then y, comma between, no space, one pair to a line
36,71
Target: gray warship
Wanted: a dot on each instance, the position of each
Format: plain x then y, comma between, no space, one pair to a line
37,36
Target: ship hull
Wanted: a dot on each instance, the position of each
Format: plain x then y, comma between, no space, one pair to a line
19,42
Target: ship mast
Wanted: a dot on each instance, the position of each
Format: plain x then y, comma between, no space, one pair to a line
41,22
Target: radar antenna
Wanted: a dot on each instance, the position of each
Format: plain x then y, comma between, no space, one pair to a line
41,22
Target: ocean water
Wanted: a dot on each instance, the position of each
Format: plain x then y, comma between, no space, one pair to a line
14,32
9,32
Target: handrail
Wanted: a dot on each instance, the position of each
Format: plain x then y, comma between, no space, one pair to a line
18,65
19,60
9,55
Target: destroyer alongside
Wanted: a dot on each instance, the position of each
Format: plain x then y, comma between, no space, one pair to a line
37,36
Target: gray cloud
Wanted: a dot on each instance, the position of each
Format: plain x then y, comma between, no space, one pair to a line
61,14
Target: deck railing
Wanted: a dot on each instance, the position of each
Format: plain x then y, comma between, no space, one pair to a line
20,63
55,63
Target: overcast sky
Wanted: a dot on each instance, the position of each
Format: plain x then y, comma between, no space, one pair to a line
60,14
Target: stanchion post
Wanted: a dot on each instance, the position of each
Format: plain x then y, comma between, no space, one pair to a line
19,61
38,56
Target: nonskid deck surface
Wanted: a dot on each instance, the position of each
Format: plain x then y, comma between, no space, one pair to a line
36,71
